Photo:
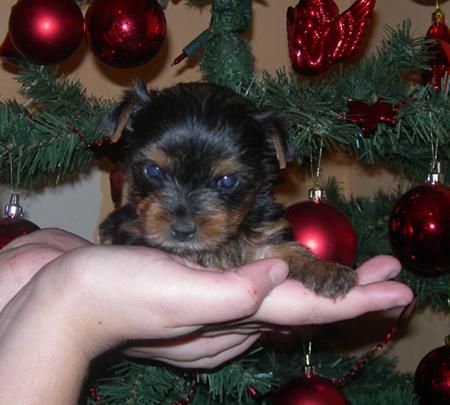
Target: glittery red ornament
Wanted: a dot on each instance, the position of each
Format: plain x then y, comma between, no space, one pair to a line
432,377
419,228
318,36
13,226
310,390
125,33
46,31
440,61
368,116
324,229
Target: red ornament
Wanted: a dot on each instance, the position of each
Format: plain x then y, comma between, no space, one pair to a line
13,226
419,228
125,33
368,116
8,51
432,377
318,36
310,389
440,60
116,180
46,31
324,229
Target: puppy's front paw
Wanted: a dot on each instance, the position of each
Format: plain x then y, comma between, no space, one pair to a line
326,278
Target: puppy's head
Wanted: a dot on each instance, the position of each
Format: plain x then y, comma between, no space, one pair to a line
199,161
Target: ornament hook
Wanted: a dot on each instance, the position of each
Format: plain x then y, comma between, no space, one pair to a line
309,367
435,176
316,193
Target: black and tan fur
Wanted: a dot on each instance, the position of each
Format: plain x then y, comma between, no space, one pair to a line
200,164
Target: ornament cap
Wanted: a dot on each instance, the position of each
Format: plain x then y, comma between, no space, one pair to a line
13,209
435,176
317,194
438,16
309,370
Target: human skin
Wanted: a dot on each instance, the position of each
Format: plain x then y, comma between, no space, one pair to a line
63,301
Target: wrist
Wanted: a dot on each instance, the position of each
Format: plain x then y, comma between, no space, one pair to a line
36,346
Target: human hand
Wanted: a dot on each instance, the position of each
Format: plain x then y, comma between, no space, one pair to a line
23,257
245,289
288,305
87,299
69,301
291,304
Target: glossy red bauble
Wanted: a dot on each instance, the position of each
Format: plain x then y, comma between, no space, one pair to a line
125,33
419,229
12,228
432,377
319,36
310,390
324,229
8,51
46,31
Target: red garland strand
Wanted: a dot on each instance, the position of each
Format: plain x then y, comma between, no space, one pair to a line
105,147
95,145
365,358
94,395
188,398
190,393
360,365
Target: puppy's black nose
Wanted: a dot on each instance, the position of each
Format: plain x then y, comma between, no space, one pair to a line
183,230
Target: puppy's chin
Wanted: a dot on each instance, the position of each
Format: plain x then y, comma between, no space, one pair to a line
186,249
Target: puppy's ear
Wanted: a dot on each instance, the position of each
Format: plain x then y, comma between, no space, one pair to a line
119,121
277,136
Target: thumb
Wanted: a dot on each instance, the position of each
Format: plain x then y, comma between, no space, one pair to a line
224,296
265,274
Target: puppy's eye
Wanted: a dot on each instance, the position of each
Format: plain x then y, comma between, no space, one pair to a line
227,182
153,171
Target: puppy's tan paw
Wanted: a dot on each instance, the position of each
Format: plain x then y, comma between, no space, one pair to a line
326,278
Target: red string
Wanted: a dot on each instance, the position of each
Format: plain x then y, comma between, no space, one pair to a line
95,145
94,394
365,358
190,393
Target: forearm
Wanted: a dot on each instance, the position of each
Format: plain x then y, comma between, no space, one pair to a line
40,362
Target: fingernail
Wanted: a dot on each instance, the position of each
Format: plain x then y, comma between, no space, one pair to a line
278,273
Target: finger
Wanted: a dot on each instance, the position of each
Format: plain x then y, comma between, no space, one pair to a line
189,348
293,304
242,290
165,298
215,360
378,268
19,265
245,329
237,294
368,298
52,237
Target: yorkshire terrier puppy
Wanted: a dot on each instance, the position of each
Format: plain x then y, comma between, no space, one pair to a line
200,164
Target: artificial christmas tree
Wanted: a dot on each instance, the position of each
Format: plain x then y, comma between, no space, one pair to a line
60,130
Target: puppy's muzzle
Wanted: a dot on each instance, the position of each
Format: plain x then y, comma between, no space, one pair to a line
183,229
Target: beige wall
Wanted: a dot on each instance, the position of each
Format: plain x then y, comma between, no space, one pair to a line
78,207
